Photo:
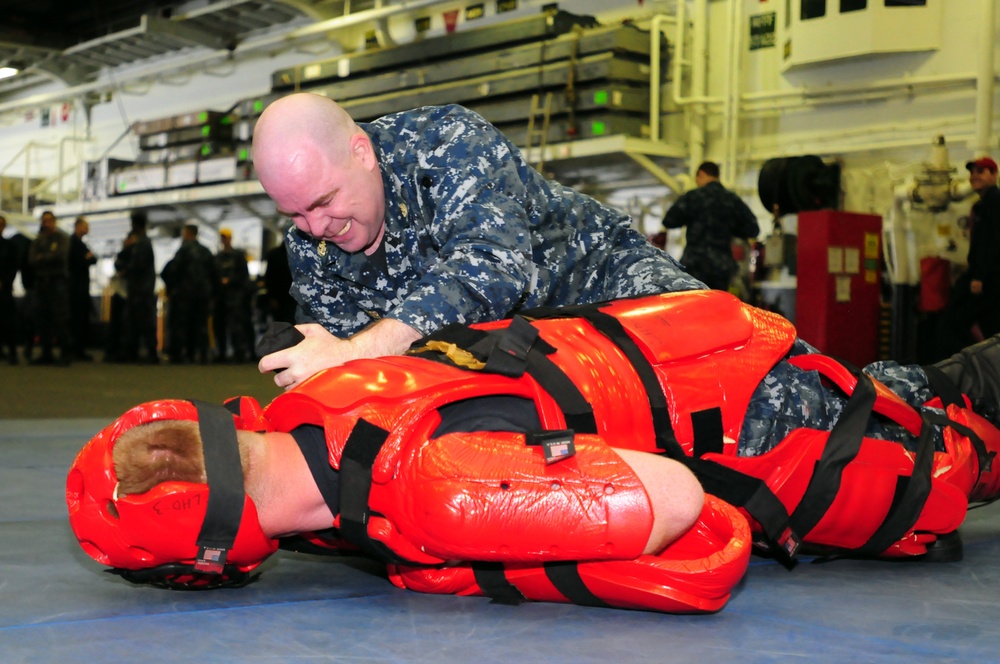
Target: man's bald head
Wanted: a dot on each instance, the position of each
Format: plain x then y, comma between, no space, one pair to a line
321,170
294,129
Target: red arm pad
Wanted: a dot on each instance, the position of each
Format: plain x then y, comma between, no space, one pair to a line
694,574
488,496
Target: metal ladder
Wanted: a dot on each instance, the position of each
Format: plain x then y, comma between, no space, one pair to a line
539,135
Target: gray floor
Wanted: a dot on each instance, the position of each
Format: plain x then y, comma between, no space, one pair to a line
57,605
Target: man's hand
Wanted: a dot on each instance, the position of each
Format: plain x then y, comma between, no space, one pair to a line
976,287
317,351
321,350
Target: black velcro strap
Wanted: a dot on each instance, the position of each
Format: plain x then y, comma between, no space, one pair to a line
910,498
943,386
708,432
224,473
565,576
482,345
753,495
311,440
576,409
841,448
509,354
493,582
356,462
984,457
612,329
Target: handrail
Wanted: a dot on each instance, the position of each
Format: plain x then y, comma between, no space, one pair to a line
655,84
26,178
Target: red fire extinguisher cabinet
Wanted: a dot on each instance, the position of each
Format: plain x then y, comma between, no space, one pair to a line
838,295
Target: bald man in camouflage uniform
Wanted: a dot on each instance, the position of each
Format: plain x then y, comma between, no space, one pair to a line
426,218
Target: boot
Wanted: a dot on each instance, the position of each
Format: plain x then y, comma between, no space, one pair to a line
975,371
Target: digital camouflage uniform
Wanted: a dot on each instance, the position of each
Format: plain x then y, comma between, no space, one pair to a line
474,233
713,216
789,398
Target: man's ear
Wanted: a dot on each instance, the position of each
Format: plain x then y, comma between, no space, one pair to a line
362,150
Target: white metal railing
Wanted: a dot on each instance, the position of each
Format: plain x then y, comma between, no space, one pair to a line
33,156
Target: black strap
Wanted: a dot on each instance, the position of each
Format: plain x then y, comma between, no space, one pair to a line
508,355
752,494
984,457
356,463
492,580
841,448
506,349
577,411
565,576
911,496
708,431
943,386
311,440
224,473
612,329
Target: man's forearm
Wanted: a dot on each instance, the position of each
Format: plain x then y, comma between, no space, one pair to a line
386,337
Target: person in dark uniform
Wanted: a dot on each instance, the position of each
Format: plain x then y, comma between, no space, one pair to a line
975,296
49,257
24,323
232,318
114,340
984,245
81,307
139,270
190,279
9,265
713,216
278,282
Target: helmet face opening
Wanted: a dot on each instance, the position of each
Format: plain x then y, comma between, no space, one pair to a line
178,576
183,533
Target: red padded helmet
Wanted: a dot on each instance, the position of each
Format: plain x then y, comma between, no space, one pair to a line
178,534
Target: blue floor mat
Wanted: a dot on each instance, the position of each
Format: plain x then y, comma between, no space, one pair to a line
58,605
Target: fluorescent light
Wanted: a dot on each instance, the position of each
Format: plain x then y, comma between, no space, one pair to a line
7,72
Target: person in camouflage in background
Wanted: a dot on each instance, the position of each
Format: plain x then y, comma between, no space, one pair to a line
713,216
425,218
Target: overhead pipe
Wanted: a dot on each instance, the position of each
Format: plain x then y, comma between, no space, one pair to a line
699,78
655,74
731,109
680,60
985,77
796,97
